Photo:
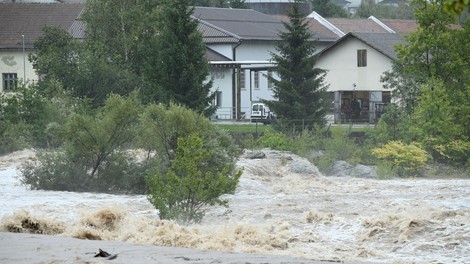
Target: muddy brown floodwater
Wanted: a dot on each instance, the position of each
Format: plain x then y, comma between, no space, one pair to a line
276,209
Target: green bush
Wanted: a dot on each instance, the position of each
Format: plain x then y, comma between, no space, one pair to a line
161,126
93,157
14,136
407,160
337,147
275,140
394,124
192,161
191,182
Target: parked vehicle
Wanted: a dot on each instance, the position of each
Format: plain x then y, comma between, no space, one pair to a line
261,113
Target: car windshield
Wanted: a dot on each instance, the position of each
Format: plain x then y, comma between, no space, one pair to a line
257,107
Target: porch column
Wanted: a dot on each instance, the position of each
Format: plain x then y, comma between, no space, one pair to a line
337,107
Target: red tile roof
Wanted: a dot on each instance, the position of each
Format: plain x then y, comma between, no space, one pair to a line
357,25
401,26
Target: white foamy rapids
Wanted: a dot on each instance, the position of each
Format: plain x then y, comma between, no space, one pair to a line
276,209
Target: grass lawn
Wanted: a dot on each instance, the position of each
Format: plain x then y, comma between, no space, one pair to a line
246,128
260,128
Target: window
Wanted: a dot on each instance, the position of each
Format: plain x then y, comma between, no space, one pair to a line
9,81
270,83
242,79
218,98
256,80
361,58
218,73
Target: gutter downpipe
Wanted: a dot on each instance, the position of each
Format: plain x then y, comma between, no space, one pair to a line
236,84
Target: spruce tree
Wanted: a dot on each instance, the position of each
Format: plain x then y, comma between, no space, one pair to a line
182,64
300,92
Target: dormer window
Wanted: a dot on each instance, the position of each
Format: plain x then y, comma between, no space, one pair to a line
362,58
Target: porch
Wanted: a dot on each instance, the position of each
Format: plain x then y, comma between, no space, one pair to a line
358,106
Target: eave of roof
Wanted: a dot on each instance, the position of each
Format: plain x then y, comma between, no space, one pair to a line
382,42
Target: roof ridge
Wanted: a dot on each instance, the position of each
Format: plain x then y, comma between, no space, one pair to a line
382,24
216,27
326,23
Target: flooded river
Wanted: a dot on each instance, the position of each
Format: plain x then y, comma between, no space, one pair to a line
276,209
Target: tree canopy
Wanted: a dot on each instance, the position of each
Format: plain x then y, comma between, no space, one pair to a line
326,8
430,79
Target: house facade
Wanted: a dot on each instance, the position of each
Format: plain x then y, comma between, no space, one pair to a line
355,64
21,25
239,45
247,39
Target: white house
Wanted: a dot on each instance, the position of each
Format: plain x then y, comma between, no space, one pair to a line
247,39
21,24
239,44
355,64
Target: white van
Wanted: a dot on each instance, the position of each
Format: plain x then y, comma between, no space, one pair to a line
261,113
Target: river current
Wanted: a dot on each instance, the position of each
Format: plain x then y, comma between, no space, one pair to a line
276,210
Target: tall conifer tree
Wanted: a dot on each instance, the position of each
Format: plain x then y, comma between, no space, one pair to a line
300,92
182,64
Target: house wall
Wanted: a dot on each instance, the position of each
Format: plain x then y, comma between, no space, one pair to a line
343,72
12,62
223,49
255,51
222,82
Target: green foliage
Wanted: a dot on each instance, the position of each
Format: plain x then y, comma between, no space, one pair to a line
275,140
429,51
93,138
24,115
59,171
300,93
14,136
394,124
407,160
61,58
178,156
123,32
385,170
456,7
337,147
326,8
430,78
93,156
182,66
438,122
221,3
162,126
369,8
455,151
191,182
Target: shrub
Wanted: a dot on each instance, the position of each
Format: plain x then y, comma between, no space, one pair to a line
337,147
394,124
191,182
454,151
93,157
161,126
14,136
407,160
188,155
275,140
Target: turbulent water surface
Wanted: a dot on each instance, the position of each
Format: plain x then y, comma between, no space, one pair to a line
276,209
